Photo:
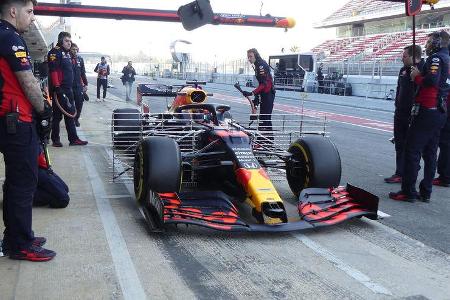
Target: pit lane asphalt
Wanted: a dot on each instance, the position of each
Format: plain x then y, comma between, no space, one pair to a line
102,240
367,156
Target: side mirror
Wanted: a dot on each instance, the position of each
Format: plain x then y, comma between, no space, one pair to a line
196,14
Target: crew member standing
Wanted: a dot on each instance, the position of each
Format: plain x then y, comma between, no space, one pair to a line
443,167
102,69
80,82
61,80
404,100
20,99
428,119
265,89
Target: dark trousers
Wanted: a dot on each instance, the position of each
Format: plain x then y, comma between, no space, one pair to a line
51,190
443,167
320,87
102,83
20,152
422,140
69,106
79,99
401,125
265,111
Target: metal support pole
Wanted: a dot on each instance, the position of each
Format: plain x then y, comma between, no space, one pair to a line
414,39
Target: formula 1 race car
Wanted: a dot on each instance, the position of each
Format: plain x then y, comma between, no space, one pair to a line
194,163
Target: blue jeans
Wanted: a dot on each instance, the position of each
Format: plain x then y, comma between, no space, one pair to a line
128,86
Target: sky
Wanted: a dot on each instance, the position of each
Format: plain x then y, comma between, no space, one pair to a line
210,42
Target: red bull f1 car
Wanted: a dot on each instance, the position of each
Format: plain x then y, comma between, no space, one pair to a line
194,163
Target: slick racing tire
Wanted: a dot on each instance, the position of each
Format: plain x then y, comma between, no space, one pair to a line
315,162
157,167
126,127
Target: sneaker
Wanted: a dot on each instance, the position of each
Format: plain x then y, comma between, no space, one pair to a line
38,241
393,179
57,144
98,100
77,123
78,142
425,198
34,253
401,196
104,100
439,182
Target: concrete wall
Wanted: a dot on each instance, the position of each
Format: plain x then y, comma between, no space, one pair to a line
373,87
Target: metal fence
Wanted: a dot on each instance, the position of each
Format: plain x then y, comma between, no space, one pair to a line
374,79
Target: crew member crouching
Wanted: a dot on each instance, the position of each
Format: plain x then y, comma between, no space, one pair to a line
51,189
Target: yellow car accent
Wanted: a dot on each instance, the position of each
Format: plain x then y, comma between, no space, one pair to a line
306,157
259,190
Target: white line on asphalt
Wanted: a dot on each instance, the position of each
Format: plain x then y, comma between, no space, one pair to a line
352,272
382,215
128,278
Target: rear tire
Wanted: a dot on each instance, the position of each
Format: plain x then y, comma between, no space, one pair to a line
126,129
315,162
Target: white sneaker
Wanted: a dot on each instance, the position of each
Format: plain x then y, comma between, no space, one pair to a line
98,100
104,99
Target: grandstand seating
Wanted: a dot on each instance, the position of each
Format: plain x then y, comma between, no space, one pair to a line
356,8
387,46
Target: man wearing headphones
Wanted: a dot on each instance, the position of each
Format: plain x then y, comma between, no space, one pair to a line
428,118
61,78
265,90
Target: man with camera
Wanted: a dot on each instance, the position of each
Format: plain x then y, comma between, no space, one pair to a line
428,117
24,118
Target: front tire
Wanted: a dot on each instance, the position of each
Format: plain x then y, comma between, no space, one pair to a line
315,162
157,167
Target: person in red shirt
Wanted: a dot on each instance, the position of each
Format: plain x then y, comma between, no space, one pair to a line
21,108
